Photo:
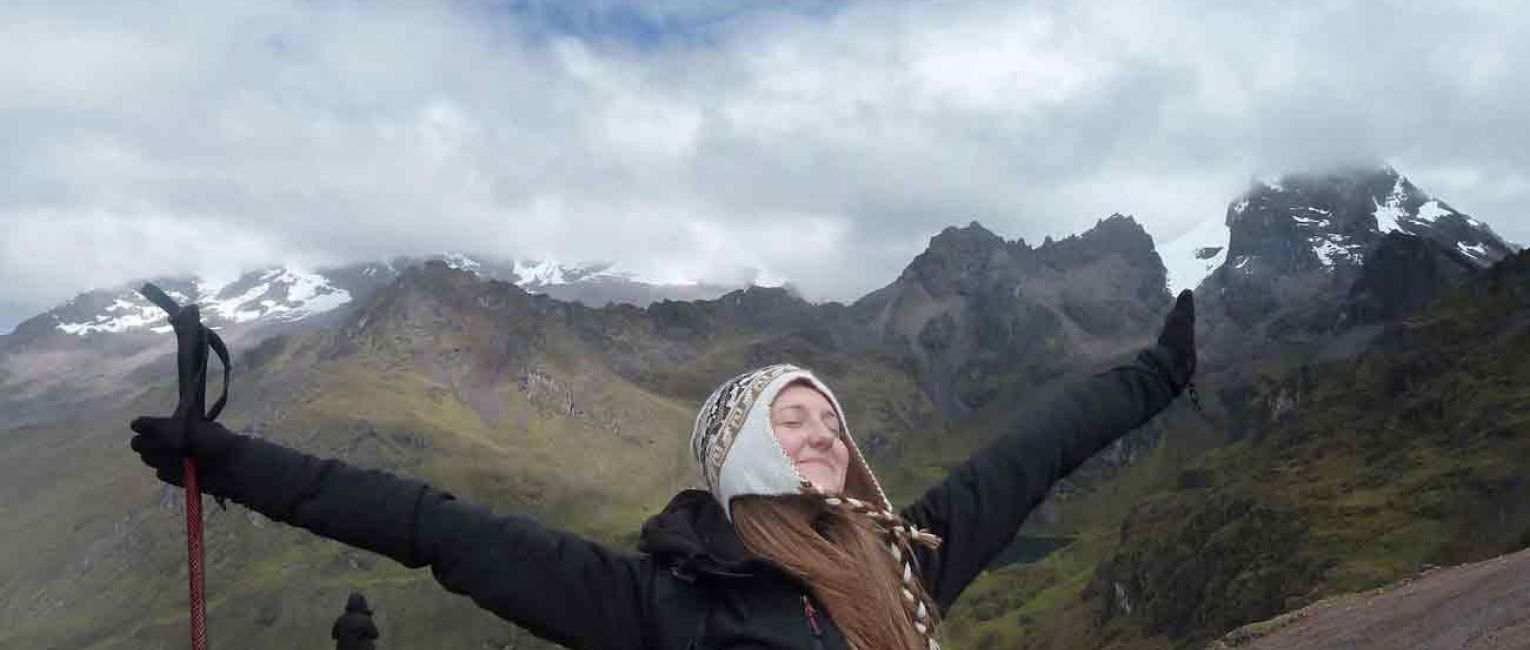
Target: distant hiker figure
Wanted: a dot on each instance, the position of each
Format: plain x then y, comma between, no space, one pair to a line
791,545
354,629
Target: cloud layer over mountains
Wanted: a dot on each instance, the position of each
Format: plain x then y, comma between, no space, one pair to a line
819,143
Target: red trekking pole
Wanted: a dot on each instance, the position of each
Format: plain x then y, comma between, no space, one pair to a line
192,342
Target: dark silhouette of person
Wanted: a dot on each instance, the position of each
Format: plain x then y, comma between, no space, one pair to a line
354,629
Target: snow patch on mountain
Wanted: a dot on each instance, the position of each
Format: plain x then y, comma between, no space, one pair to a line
1332,248
279,294
1477,252
539,273
1433,210
1390,211
531,274
275,295
120,316
1195,254
1392,214
384,268
461,262
768,278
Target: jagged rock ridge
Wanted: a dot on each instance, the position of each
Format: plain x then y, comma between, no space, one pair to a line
978,314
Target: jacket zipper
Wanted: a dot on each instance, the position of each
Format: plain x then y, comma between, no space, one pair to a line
812,619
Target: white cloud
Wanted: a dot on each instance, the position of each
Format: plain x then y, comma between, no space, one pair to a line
821,147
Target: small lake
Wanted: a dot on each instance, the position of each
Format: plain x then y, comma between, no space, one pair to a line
1028,550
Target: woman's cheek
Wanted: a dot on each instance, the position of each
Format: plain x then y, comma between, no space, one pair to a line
791,443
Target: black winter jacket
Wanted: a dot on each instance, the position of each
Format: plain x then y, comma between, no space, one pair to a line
691,585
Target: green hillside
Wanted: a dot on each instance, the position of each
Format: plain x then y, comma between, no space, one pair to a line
473,386
1361,471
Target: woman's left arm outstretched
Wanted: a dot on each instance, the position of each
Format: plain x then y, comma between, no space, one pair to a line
980,505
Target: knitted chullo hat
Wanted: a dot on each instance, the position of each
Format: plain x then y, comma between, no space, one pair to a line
739,455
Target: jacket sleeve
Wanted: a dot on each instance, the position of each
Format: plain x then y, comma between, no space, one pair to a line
980,505
557,585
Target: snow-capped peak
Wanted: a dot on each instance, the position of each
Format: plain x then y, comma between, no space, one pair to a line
461,262
536,274
1194,255
272,295
1331,221
278,294
124,314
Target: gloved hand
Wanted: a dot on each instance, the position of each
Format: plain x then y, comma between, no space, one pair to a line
1178,337
162,444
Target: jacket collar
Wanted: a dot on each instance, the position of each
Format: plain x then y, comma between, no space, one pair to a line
693,536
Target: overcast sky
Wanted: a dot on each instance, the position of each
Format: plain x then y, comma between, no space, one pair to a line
822,143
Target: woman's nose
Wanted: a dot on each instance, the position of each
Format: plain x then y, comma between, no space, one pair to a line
821,436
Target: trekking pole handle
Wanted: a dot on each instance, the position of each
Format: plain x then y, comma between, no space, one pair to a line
191,339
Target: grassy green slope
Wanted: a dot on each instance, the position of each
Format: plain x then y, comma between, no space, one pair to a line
1362,472
473,387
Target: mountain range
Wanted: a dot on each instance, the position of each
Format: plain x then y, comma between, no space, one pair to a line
498,380
88,347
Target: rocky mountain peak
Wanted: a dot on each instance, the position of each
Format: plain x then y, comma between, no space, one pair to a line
1310,256
956,259
1118,232
1117,235
765,307
973,308
1331,221
968,237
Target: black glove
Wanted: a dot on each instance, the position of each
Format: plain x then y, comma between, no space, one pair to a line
162,444
1178,338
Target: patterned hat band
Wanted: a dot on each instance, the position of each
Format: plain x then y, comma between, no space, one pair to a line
737,450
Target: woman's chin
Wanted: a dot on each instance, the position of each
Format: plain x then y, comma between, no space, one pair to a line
825,481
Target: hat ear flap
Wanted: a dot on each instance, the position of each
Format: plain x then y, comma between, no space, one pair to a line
859,483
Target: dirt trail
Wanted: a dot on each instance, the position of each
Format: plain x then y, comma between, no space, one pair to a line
1480,606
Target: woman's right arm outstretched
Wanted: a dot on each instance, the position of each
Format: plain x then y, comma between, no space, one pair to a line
557,585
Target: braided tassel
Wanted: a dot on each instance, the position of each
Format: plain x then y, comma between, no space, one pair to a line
901,535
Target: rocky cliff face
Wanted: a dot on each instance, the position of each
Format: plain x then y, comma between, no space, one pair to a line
1403,275
978,315
1300,249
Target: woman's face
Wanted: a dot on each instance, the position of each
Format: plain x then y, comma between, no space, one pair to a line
805,424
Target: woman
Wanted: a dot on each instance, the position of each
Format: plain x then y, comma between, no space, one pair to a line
792,545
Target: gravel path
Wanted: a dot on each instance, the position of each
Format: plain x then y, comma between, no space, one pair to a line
1480,606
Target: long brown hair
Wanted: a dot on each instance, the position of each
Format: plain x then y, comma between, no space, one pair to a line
843,557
